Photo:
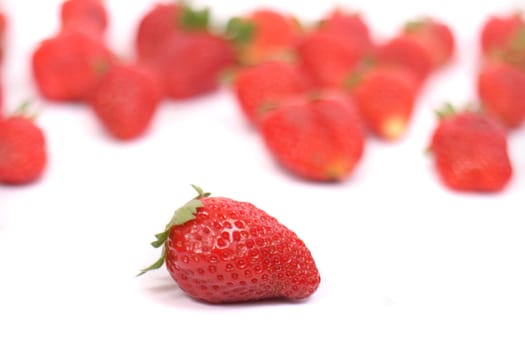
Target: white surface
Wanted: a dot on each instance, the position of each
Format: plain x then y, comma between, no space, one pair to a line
405,263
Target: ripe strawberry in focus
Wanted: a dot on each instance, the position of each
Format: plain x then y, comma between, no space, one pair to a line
409,53
327,58
351,26
88,15
502,38
435,35
262,35
501,90
317,137
23,154
470,152
126,99
385,97
220,250
68,66
263,86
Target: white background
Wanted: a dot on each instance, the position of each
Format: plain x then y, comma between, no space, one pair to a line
405,263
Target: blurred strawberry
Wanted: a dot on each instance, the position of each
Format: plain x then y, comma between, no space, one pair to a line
69,65
262,35
435,35
263,86
126,99
90,16
315,137
385,97
501,90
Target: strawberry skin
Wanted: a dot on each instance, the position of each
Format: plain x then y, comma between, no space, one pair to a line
126,99
263,86
409,53
68,66
498,31
88,15
435,35
470,153
328,58
23,154
385,98
220,250
501,90
317,138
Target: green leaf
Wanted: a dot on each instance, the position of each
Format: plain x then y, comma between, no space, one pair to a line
192,19
445,111
240,31
156,265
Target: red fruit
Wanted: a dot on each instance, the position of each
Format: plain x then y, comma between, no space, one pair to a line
260,87
317,138
125,100
263,35
23,154
409,53
470,152
192,64
88,15
3,28
351,26
501,90
67,66
435,35
385,98
328,59
498,31
222,251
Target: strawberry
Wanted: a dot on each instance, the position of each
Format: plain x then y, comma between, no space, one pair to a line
23,154
263,86
385,97
433,34
88,15
501,90
192,64
470,152
327,58
126,99
351,26
174,40
503,39
407,52
164,20
68,66
220,250
3,29
316,137
262,35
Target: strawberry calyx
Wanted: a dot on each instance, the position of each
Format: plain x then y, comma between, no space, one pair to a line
240,31
445,111
192,19
181,216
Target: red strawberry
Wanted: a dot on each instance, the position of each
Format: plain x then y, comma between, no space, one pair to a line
23,154
191,64
88,15
67,66
435,35
501,90
220,250
385,97
327,58
407,52
259,87
470,152
3,28
503,39
351,26
262,35
164,20
317,138
126,99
